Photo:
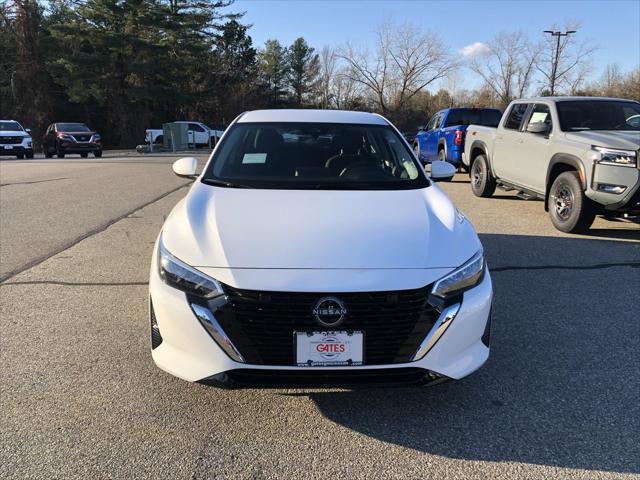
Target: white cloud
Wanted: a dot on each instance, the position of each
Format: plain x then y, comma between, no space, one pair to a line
477,48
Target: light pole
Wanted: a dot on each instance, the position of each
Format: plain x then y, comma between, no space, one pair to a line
554,67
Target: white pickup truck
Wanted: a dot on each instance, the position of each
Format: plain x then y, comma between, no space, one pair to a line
198,133
578,154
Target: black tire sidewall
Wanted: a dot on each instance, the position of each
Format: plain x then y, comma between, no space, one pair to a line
582,213
486,187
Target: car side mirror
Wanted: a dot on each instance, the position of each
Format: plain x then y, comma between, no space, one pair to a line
442,171
422,128
185,167
537,127
28,130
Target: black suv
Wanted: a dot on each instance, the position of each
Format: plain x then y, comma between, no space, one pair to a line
63,138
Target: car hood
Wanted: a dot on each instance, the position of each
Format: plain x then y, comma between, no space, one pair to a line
608,138
14,133
319,229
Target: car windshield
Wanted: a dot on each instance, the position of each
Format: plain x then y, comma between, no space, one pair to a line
72,127
474,116
314,156
10,127
598,115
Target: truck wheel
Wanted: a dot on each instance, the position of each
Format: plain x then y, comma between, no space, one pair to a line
482,182
569,209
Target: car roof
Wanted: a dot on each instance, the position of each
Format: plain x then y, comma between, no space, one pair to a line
570,98
312,116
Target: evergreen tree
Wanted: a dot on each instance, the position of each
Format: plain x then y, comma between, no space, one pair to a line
303,70
274,68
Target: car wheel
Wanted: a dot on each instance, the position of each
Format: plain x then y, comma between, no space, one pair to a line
59,152
84,155
442,156
19,156
570,210
47,152
29,154
97,153
482,182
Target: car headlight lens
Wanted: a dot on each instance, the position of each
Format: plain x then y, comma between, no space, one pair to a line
64,136
612,156
462,278
183,277
96,137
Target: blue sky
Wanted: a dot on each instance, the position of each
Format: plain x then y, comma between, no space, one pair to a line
613,26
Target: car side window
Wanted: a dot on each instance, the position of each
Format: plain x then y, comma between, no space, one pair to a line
541,113
516,114
195,127
431,125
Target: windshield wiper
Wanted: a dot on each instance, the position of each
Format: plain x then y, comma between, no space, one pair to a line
223,183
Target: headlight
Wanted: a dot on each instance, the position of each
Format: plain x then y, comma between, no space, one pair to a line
96,137
612,156
181,276
461,279
64,136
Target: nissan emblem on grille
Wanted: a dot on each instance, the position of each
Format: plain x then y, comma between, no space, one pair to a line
329,311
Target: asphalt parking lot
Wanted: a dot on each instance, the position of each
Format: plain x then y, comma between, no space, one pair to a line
81,398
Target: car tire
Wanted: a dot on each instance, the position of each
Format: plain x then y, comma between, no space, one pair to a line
442,155
84,155
19,156
29,154
482,182
59,152
570,210
97,153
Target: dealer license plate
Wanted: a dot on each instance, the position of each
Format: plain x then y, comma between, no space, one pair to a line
329,349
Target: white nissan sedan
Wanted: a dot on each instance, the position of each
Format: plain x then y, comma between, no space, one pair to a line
314,250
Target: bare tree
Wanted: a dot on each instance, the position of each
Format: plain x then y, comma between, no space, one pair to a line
405,62
328,65
507,66
562,59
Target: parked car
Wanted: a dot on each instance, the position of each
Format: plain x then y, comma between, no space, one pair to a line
15,140
578,154
328,258
443,137
62,138
198,133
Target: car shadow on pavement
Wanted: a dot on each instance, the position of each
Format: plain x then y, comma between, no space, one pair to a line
561,386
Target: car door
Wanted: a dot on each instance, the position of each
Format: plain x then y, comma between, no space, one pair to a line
432,136
533,158
508,144
197,134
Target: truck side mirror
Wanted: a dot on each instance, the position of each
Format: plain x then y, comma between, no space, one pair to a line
537,127
422,128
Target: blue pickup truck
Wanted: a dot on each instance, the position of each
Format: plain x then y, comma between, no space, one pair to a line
443,137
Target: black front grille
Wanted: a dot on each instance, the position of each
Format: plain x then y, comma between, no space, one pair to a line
319,378
82,138
10,140
261,324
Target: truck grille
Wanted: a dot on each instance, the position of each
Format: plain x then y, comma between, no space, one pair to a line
261,324
10,140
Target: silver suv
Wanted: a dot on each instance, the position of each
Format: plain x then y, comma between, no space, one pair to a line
579,154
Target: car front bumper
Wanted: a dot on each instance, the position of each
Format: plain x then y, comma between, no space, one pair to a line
15,149
184,348
80,147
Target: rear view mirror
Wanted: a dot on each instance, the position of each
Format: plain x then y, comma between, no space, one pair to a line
442,171
186,167
537,127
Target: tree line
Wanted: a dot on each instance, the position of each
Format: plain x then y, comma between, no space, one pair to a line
124,65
